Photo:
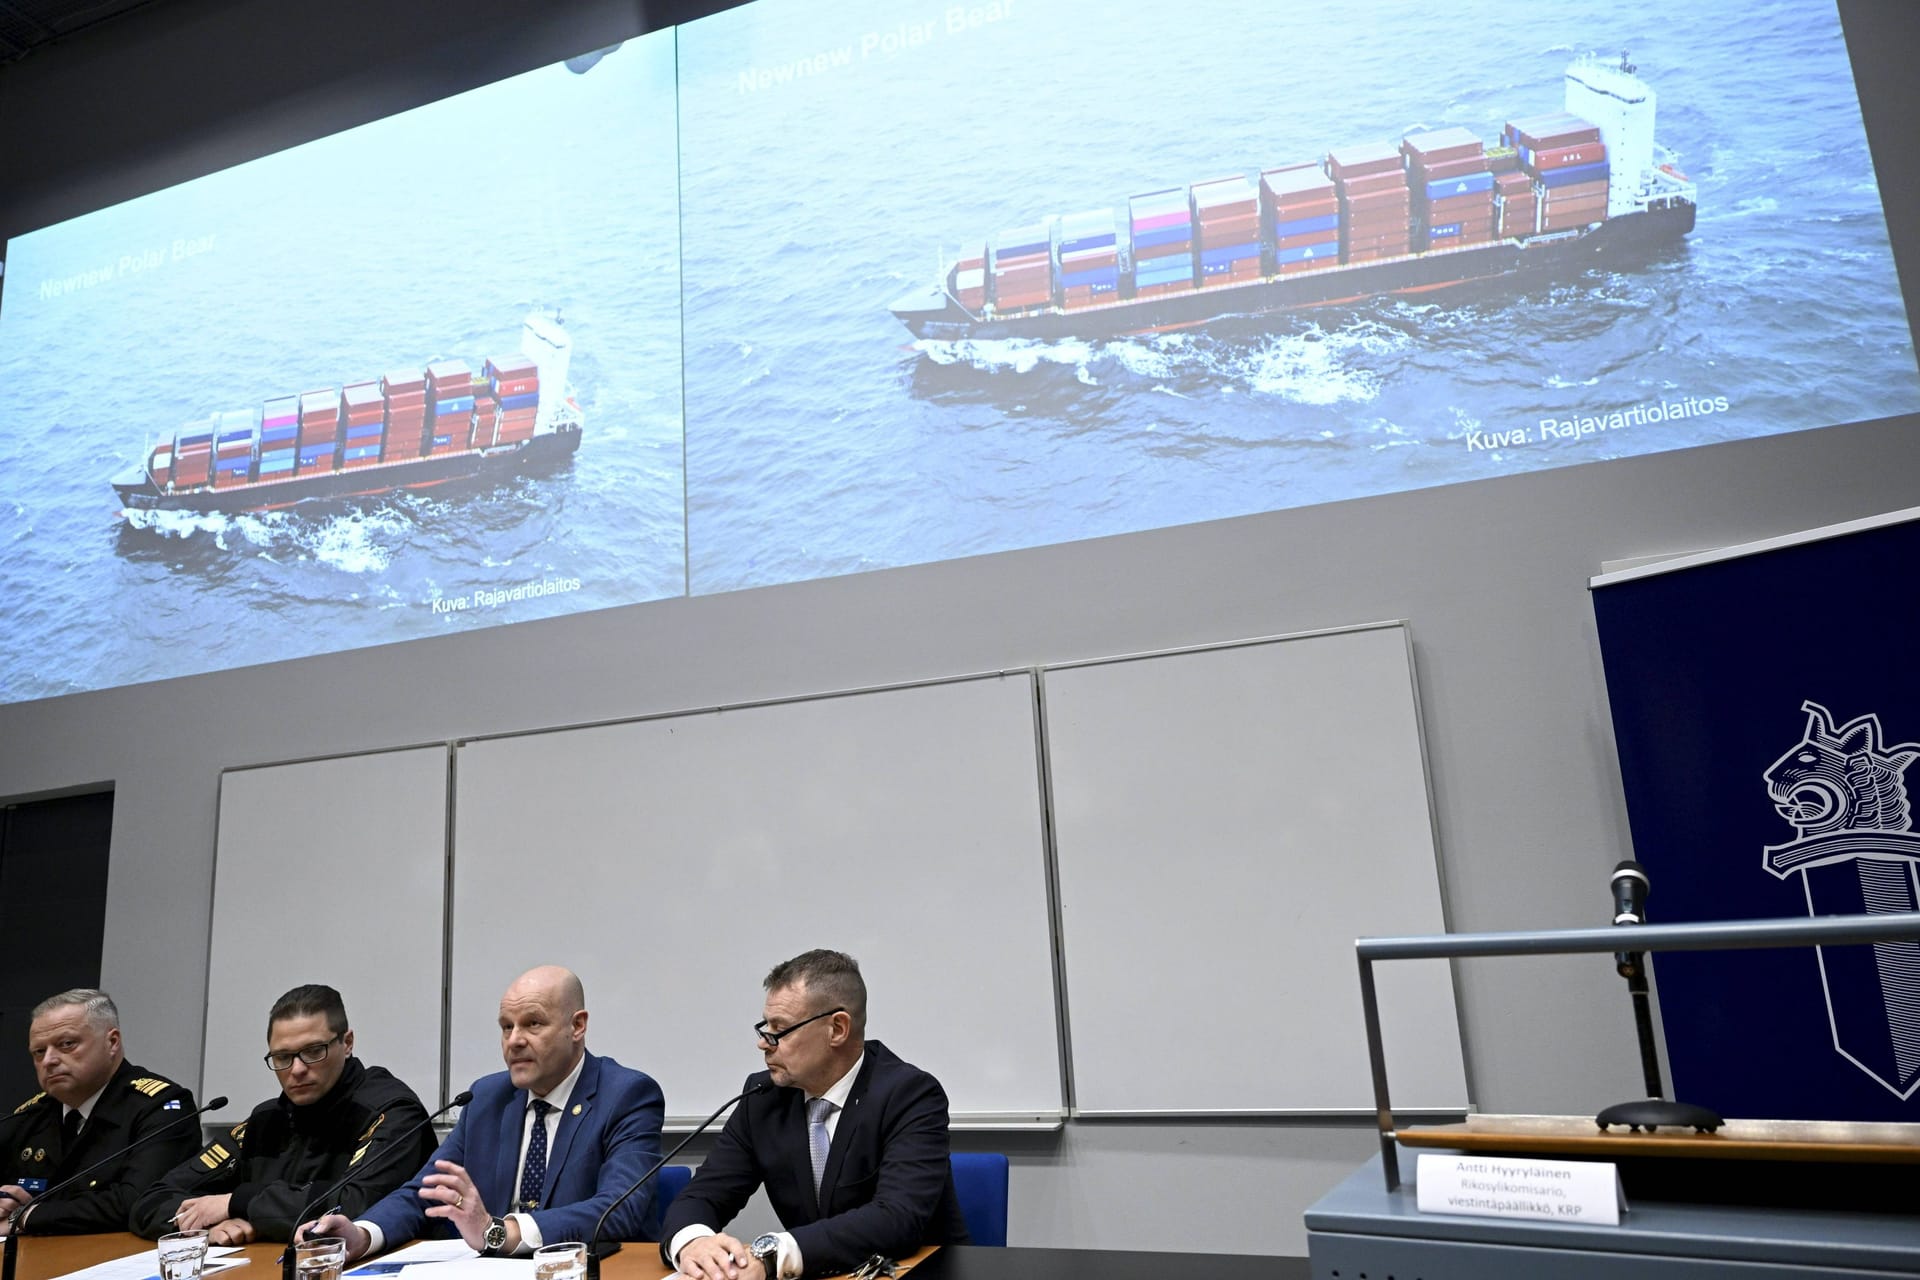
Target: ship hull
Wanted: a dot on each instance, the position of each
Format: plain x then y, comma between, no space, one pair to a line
139,492
1614,240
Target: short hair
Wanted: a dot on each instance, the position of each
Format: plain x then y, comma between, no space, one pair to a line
305,1001
99,1006
833,974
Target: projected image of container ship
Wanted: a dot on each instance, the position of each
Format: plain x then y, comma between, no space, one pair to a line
1442,209
405,430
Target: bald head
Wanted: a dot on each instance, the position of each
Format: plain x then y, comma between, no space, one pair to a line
543,1028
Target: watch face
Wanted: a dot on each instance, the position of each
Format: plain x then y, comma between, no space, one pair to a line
766,1244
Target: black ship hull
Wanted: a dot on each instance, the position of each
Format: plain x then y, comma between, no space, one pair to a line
935,315
139,492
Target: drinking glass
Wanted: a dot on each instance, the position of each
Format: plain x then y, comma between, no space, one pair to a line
182,1255
566,1261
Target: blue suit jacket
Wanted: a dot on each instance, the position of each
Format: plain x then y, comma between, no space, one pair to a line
607,1137
887,1187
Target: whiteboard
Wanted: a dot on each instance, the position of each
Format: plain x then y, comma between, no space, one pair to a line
330,871
672,862
1226,822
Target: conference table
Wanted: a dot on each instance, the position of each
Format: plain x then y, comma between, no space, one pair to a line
48,1257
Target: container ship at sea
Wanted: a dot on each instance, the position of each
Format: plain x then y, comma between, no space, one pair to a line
411,429
1557,193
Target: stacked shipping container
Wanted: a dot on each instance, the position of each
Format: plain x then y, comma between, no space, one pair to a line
449,407
513,388
1226,219
233,449
1375,204
279,437
1162,227
1089,259
1452,188
1300,217
365,412
193,454
1568,163
405,394
970,281
319,431
1023,268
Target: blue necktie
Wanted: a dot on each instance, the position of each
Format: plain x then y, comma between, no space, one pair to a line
533,1182
818,1109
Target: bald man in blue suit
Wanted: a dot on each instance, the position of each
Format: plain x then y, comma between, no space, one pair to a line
541,1151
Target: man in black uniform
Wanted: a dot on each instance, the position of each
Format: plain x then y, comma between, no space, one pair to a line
334,1115
93,1103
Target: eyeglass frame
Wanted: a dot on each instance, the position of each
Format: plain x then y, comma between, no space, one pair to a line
301,1053
773,1038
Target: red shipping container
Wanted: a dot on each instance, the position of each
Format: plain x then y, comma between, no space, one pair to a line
1178,249
1448,169
511,366
1371,183
1503,159
1375,224
1579,191
1309,264
1442,144
1293,211
1454,208
1567,157
1230,231
1330,236
1303,183
401,381
1579,204
1364,158
1511,184
1552,221
1379,202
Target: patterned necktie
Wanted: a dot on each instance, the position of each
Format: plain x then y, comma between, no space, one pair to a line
533,1182
818,1109
70,1132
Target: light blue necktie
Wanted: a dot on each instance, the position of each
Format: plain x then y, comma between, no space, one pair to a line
818,1109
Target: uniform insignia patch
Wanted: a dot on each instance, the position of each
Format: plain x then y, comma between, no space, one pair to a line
26,1153
214,1156
41,1154
150,1085
239,1131
377,1122
172,1104
29,1102
361,1152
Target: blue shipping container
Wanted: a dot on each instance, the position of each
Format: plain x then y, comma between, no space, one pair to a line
1466,185
1165,235
315,452
1574,174
526,401
275,466
1104,241
1309,253
273,435
1098,276
1444,230
363,451
1305,226
1228,255
442,408
233,464
1161,270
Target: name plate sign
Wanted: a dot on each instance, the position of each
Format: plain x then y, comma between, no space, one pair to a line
1584,1191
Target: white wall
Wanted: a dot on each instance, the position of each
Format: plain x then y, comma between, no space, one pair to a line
1491,576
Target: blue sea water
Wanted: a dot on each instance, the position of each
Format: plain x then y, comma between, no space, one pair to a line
724,260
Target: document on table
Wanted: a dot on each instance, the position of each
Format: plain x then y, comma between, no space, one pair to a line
146,1265
471,1268
421,1253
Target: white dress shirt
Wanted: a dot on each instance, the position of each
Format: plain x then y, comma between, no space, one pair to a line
791,1263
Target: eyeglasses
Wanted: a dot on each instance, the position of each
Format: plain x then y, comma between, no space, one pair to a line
775,1037
311,1054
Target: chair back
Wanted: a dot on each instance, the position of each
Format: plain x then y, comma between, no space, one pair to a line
980,1182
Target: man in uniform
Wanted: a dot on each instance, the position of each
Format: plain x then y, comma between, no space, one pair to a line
334,1114
93,1103
850,1144
542,1150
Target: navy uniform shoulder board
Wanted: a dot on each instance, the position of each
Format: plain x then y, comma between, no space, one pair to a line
152,1086
365,1140
29,1102
218,1153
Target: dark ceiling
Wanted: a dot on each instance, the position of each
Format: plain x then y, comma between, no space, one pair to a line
26,25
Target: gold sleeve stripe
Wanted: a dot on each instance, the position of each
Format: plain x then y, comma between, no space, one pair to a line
152,1086
377,1122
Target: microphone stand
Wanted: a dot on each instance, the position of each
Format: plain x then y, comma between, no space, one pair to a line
593,1241
10,1251
1655,1109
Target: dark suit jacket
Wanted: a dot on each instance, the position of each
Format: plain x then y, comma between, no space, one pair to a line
134,1104
887,1187
607,1137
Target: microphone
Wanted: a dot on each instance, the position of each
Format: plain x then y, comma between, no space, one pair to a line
286,1257
593,1241
9,1253
1630,887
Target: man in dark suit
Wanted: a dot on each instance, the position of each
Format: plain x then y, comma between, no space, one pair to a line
93,1103
849,1142
541,1151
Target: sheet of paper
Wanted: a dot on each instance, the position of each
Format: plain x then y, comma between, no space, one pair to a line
146,1265
417,1253
470,1268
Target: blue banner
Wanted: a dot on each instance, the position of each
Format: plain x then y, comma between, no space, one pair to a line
1766,708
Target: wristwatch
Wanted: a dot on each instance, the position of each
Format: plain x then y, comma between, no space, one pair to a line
767,1249
496,1238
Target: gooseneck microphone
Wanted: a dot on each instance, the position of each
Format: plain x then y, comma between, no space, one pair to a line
9,1253
593,1241
398,1144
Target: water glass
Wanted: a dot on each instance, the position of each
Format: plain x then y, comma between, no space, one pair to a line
182,1255
566,1261
318,1258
